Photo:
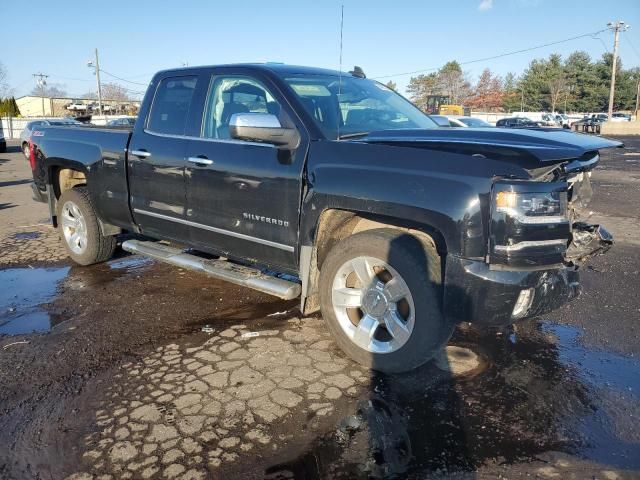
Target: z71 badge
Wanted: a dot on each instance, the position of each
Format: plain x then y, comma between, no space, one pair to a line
262,218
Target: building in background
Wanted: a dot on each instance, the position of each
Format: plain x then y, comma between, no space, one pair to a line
33,106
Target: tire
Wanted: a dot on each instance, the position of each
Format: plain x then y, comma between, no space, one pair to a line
420,328
25,149
76,215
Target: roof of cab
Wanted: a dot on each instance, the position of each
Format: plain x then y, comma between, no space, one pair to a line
280,69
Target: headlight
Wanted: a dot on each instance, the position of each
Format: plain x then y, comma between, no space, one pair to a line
529,223
539,207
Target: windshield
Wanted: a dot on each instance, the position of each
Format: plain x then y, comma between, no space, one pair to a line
355,105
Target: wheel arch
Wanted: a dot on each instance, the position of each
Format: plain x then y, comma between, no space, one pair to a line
336,224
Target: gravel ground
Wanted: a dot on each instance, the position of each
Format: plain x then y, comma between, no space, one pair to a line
142,370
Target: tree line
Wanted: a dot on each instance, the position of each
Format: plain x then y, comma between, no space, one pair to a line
574,84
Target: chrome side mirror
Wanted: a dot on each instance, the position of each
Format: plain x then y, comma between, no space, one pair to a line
262,127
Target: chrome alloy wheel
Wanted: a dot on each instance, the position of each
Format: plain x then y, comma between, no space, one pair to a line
74,227
373,304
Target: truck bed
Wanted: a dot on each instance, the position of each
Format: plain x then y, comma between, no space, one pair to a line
103,151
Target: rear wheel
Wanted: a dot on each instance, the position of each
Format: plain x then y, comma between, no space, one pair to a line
80,229
381,297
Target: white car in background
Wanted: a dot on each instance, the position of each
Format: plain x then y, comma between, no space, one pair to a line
621,117
473,122
77,106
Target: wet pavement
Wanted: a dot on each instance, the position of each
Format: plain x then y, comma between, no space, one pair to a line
120,380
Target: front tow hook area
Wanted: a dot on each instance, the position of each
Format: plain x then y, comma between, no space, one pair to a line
588,241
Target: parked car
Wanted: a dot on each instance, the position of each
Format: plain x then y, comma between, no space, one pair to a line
549,120
441,120
305,182
588,124
122,122
456,122
562,120
3,142
474,122
77,106
26,131
621,117
518,122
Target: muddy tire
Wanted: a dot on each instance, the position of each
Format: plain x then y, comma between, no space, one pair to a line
79,228
381,295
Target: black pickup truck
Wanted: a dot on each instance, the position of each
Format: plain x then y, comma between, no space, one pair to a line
329,186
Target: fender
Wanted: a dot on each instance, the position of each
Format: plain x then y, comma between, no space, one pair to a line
423,188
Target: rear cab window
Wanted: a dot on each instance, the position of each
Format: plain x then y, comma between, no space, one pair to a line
171,104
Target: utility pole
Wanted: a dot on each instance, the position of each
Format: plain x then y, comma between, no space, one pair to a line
96,65
41,82
637,99
616,27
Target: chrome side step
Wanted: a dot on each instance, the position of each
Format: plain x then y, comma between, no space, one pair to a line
221,269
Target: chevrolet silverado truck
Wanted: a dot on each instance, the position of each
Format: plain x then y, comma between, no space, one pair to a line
328,186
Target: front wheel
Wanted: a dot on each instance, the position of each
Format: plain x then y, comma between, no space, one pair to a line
380,293
80,229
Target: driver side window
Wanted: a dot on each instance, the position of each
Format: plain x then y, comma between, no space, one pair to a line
234,94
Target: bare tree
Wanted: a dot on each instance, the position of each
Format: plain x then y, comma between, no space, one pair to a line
453,82
113,91
5,91
54,90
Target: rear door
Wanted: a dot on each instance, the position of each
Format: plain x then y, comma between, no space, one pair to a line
156,160
244,197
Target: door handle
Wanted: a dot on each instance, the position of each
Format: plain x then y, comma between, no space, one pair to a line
141,153
201,161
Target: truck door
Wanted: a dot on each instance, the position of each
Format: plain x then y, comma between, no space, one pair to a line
244,197
156,160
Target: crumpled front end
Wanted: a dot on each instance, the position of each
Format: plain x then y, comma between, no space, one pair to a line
587,240
538,240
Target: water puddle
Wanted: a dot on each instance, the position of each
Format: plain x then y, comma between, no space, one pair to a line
23,291
26,235
540,391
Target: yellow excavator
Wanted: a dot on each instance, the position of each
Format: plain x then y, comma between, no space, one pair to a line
440,105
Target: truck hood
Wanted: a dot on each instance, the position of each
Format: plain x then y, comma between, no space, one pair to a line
538,145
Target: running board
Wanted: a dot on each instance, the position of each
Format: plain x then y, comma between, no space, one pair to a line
220,269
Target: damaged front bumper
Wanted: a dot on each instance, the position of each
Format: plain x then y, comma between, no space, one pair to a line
587,241
473,292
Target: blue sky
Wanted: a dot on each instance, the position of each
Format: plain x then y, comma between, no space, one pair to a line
136,38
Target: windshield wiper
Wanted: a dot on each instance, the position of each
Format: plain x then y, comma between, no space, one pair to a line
353,135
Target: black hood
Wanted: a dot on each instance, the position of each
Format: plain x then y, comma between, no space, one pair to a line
538,145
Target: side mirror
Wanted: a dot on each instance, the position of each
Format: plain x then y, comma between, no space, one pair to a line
262,127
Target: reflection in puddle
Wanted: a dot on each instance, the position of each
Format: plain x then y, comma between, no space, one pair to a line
23,291
541,391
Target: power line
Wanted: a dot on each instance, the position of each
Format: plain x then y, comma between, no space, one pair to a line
632,46
123,79
506,54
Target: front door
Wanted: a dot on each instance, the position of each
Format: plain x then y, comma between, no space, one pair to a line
157,162
243,197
